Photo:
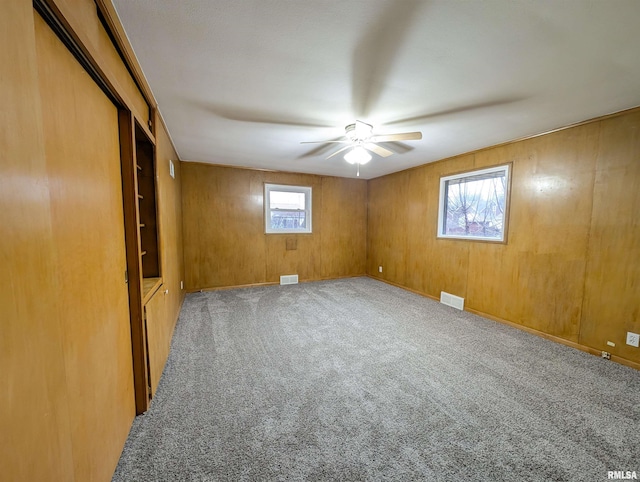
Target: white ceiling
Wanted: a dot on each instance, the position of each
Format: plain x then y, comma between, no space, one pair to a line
243,82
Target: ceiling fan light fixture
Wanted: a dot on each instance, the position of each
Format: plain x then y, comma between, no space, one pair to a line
357,155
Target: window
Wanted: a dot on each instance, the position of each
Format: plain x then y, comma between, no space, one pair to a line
287,209
473,205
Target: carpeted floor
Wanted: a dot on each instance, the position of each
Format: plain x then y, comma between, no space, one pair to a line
357,380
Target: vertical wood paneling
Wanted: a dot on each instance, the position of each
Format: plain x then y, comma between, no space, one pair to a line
612,286
544,259
164,307
223,231
572,238
66,402
224,239
81,16
386,229
170,209
82,148
343,227
448,259
304,260
35,440
159,333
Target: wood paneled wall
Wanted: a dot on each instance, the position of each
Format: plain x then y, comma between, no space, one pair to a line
164,307
67,401
224,239
611,304
88,235
170,219
81,17
570,267
34,406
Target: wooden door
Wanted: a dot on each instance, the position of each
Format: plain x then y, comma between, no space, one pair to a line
82,152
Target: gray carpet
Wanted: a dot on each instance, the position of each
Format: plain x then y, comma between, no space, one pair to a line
357,380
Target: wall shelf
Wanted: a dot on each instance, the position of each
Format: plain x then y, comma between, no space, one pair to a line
147,206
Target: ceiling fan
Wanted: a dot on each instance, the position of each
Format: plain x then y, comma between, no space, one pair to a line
360,139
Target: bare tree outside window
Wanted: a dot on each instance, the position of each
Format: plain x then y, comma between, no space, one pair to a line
474,205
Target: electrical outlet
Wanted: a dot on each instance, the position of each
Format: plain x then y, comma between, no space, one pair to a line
181,285
379,269
606,355
633,339
610,343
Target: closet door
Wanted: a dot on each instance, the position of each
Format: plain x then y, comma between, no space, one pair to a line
83,164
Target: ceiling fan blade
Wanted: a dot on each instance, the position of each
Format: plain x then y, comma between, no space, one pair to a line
398,147
338,152
324,142
381,151
318,150
459,109
403,136
239,114
376,52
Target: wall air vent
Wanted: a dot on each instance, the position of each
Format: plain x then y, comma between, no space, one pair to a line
451,300
290,279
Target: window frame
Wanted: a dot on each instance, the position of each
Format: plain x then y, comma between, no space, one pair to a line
306,190
442,206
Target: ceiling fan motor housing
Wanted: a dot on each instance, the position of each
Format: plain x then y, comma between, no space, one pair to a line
359,135
358,131
350,132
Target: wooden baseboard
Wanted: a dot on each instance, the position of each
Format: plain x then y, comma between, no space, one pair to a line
557,339
426,295
347,276
271,283
232,287
542,334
